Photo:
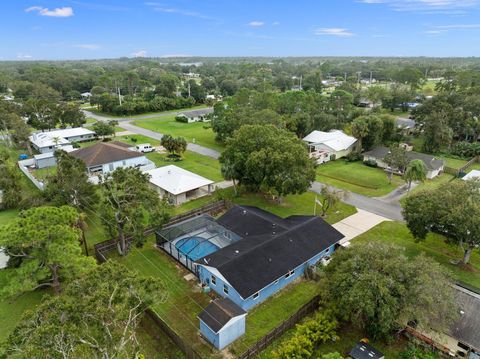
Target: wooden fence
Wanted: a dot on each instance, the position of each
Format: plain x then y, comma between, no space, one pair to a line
189,352
457,171
260,345
103,248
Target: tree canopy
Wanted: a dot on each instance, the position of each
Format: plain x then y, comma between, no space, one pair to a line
268,159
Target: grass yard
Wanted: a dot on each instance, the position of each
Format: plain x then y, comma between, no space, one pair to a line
42,173
184,299
202,165
301,204
357,177
137,140
7,215
453,162
193,132
429,184
273,312
434,246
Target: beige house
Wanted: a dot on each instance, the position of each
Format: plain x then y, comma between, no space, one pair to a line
327,146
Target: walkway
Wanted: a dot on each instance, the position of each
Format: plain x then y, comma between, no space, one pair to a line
382,208
357,224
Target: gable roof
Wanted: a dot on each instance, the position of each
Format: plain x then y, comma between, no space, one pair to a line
195,113
270,247
405,122
467,328
431,162
335,139
176,180
59,136
105,152
220,312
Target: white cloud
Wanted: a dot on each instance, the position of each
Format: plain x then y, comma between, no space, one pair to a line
141,53
458,26
453,7
24,57
275,23
434,32
57,12
88,46
333,31
171,10
256,23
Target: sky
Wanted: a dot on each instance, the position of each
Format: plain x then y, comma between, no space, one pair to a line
90,29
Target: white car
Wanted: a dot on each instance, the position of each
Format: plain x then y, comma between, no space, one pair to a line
144,148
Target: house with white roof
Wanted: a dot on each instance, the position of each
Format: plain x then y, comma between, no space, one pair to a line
178,184
472,175
45,142
326,146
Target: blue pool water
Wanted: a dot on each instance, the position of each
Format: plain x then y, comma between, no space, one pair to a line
195,247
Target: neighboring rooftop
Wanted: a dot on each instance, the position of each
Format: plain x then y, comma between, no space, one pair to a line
271,246
467,328
474,174
431,162
105,152
405,123
365,351
335,139
196,113
58,137
176,180
219,312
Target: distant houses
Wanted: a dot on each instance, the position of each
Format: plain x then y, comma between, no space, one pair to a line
104,157
190,116
327,146
434,165
50,141
179,185
406,125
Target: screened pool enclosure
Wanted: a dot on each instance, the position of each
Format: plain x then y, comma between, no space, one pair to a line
194,239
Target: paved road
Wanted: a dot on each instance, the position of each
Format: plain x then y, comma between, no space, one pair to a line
374,205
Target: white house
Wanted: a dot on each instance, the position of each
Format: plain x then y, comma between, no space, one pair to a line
195,115
475,174
326,146
179,185
45,142
104,157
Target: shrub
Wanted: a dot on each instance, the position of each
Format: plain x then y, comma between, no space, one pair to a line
353,157
316,330
181,118
370,163
466,149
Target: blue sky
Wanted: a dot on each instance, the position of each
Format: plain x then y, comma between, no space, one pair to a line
86,29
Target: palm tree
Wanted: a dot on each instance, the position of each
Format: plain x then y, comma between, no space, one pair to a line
228,172
360,131
416,171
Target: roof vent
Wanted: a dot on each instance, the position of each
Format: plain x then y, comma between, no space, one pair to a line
269,259
246,233
237,251
244,211
273,233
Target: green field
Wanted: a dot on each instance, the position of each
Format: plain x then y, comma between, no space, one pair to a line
192,132
191,161
357,177
434,246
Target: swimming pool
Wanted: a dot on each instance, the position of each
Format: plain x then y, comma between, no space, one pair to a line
195,247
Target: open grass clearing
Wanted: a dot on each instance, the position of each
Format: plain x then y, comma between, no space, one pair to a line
434,246
193,132
429,184
357,177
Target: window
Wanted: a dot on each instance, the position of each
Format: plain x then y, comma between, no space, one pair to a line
214,280
255,296
225,289
463,346
289,274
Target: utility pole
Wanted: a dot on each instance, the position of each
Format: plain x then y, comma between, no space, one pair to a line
119,96
371,77
188,88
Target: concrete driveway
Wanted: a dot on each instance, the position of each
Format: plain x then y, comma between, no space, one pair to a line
357,224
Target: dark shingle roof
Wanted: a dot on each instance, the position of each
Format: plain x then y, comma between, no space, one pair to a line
431,162
405,122
105,152
220,312
195,113
365,351
467,328
273,247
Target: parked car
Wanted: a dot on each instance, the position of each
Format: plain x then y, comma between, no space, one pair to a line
144,148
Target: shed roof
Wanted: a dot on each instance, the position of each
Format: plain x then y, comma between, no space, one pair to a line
195,113
271,247
335,139
365,351
105,152
431,162
219,312
176,180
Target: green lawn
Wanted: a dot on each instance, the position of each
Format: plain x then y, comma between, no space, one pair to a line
301,204
357,177
42,173
193,132
453,162
202,165
137,140
273,312
7,215
429,184
434,246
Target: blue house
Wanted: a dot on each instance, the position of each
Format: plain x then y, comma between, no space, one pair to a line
271,253
222,322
